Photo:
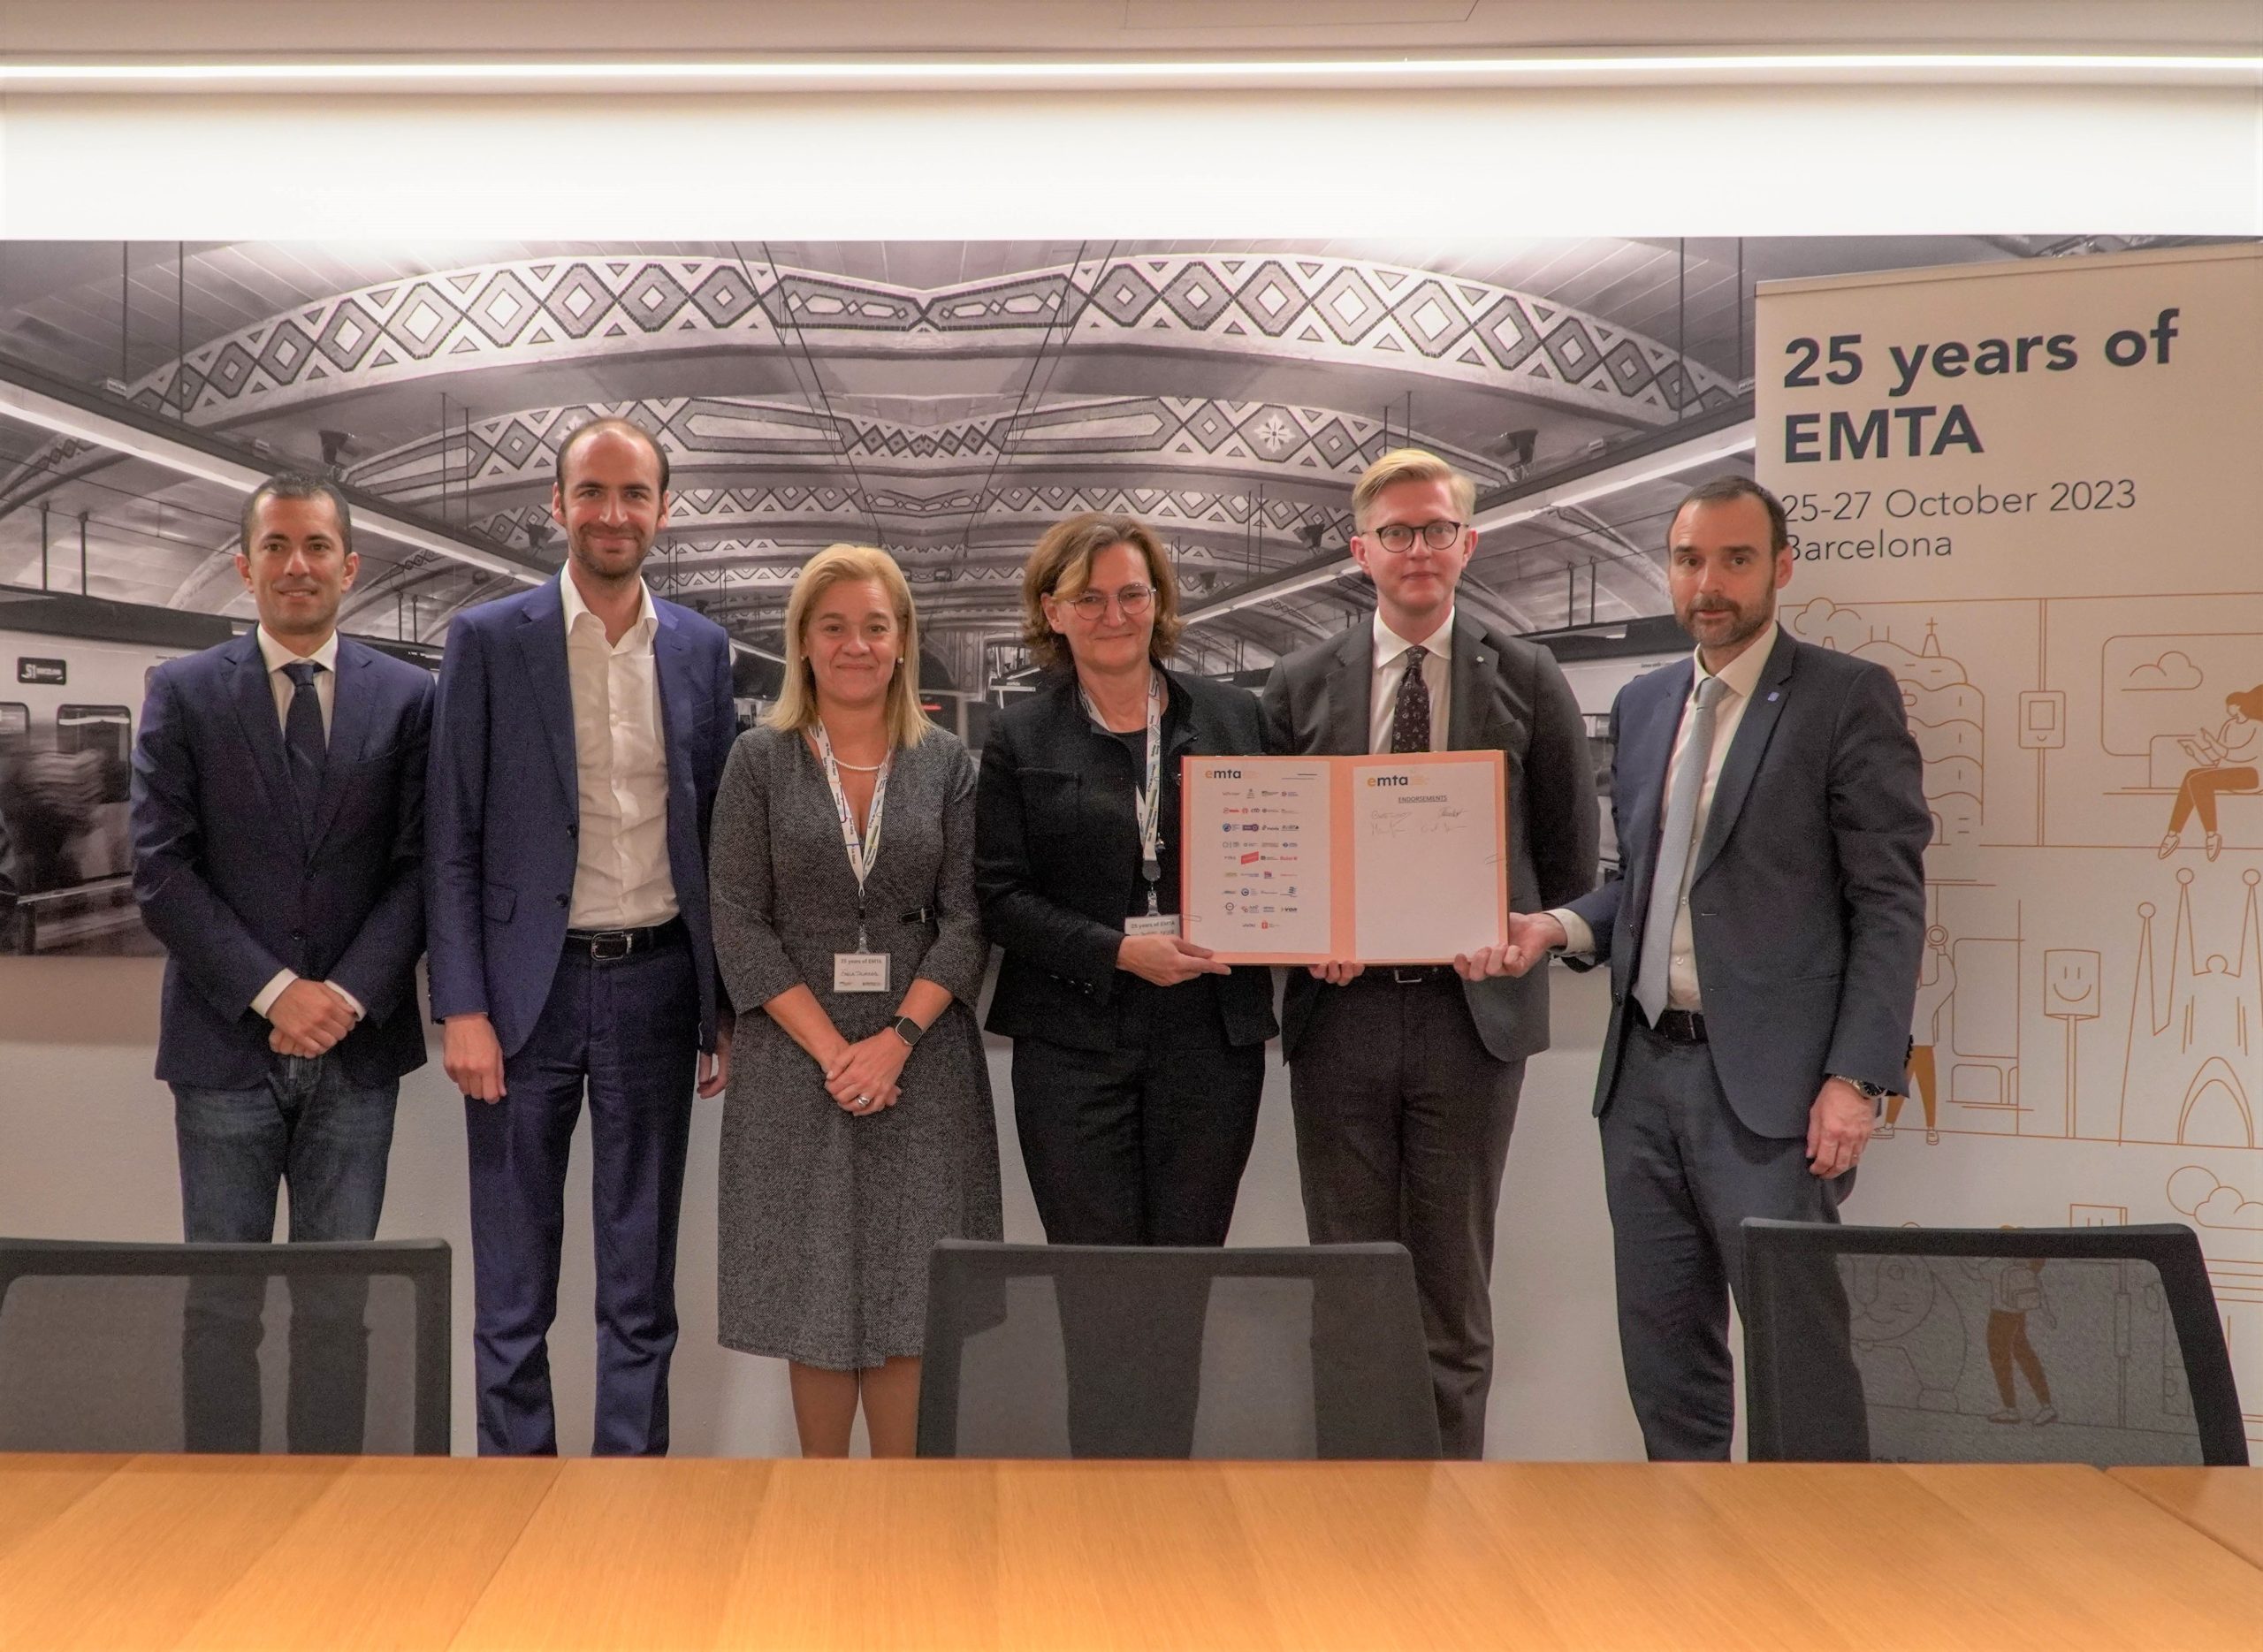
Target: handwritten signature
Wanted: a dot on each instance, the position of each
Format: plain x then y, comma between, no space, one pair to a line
1416,822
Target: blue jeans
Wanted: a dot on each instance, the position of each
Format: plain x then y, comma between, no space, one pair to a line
328,1140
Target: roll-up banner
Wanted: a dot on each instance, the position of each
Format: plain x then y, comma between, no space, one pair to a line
2029,493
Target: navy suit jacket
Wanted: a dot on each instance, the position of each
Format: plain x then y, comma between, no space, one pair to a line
230,883
1806,894
505,804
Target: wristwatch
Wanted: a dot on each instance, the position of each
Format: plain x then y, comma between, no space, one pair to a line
909,1030
1870,1093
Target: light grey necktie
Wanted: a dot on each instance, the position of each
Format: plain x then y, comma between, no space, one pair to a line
1675,841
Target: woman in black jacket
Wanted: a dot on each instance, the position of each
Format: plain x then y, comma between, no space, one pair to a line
1137,1059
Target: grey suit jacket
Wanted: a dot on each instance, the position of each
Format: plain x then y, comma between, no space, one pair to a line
1508,695
1807,895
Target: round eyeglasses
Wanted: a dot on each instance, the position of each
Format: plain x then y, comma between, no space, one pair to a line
1399,537
1130,602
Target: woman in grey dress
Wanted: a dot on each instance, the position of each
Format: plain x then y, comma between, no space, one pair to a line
858,1127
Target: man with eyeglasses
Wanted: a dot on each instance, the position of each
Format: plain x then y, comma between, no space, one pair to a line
1404,1082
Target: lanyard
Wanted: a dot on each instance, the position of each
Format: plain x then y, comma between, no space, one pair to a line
864,847
1148,798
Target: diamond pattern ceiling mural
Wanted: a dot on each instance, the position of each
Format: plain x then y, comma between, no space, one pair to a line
948,401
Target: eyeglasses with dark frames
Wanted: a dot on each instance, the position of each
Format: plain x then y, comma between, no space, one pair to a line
1399,537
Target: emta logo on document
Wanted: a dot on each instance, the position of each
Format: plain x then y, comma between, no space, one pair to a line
1390,780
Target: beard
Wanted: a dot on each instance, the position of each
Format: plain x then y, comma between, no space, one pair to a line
1744,623
611,562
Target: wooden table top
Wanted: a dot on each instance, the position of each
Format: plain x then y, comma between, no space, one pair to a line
2226,1503
281,1552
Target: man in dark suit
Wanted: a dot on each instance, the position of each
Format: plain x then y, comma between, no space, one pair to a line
579,739
1763,948
278,841
1404,1082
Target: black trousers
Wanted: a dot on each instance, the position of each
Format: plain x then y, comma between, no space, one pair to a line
1403,1123
1144,1143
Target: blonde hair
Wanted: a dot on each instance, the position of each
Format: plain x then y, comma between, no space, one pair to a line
1061,567
797,707
1410,464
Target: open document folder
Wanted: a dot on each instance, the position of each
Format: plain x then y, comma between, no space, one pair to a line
1375,859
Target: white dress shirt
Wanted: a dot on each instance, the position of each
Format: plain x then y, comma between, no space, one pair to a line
276,656
1739,678
621,872
1390,670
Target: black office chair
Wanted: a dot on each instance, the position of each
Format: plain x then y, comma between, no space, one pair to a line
312,1348
1055,1351
2096,1345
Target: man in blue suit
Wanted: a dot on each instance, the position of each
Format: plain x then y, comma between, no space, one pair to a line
278,841
580,736
1763,946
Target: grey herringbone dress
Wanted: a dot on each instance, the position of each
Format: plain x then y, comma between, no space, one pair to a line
826,1218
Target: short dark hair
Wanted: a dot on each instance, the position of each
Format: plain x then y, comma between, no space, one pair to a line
627,427
299,485
1722,490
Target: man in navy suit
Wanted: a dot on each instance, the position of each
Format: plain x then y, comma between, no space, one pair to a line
1763,946
580,736
278,841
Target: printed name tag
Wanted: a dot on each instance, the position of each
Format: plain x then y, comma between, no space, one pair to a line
1162,924
860,972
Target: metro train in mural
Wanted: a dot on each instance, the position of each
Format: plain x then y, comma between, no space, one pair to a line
73,674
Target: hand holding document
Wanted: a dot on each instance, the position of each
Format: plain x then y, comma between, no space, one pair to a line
1377,859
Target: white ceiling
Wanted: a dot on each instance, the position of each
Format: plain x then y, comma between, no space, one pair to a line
113,27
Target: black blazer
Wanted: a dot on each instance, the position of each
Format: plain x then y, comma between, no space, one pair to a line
1056,849
1509,696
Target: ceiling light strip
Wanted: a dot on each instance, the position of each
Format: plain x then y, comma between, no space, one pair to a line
383,72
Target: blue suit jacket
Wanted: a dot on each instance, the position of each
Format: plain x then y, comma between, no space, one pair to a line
230,884
1807,895
505,806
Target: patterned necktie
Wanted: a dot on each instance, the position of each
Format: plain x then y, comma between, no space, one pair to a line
1410,720
303,741
1674,845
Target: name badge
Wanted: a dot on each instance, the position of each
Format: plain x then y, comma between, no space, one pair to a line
1152,924
860,972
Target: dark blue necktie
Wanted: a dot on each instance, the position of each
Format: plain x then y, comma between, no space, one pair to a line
303,741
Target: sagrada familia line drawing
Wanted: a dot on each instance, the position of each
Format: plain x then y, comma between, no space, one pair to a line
2192,1073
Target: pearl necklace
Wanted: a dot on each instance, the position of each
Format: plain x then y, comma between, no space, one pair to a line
857,768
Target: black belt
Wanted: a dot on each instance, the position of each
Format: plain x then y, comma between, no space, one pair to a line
1405,974
1678,1026
604,945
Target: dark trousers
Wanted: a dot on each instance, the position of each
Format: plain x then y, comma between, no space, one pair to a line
1141,1144
1403,1123
1681,1171
626,1031
327,1139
